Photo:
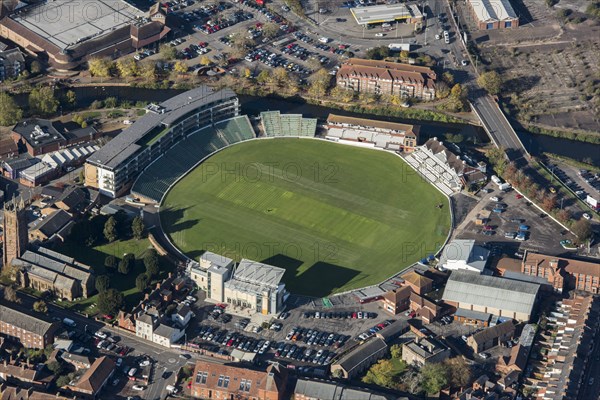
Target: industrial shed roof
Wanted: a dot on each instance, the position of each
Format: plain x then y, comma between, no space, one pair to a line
491,291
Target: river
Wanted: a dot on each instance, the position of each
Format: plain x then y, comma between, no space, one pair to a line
536,144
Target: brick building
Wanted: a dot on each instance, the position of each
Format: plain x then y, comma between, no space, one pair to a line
41,136
30,331
396,300
216,381
563,273
493,14
89,385
383,77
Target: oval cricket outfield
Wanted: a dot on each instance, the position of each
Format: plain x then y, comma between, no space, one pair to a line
336,217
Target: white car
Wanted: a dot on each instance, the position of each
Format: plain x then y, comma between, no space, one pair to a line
101,335
144,363
484,355
380,34
494,198
191,298
138,387
587,216
464,63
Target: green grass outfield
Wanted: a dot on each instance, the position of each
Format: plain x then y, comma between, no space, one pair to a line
336,217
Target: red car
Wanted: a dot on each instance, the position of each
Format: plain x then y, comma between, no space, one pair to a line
519,196
354,315
107,316
203,44
488,228
229,342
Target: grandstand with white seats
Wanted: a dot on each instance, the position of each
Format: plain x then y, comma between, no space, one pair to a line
444,169
374,133
158,177
275,124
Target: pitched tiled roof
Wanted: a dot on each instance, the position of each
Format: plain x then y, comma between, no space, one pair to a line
357,356
397,295
93,379
493,332
53,223
24,321
416,279
569,265
245,381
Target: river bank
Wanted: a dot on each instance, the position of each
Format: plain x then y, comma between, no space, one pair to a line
536,144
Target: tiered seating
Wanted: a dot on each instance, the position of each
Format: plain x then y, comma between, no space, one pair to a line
432,171
287,125
158,177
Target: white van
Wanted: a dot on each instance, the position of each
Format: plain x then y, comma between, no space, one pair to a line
324,40
132,371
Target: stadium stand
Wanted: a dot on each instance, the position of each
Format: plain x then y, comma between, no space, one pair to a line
158,177
275,124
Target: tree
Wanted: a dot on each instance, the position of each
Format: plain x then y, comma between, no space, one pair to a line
100,67
564,215
127,67
110,301
10,294
320,81
110,261
35,67
40,306
433,377
442,90
204,60
280,76
110,102
380,374
490,81
10,113
142,281
42,101
126,264
341,94
110,229
314,63
63,380
263,77
167,52
448,78
549,202
151,262
396,351
582,229
458,371
55,367
378,53
71,98
270,30
180,67
102,283
137,228
148,71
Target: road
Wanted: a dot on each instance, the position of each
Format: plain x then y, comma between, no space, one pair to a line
164,359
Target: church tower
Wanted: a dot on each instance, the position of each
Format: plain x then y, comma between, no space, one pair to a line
15,230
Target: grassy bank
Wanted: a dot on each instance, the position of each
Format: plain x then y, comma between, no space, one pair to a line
572,162
587,137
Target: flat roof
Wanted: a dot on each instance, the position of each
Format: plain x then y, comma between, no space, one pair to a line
66,23
493,10
125,144
384,13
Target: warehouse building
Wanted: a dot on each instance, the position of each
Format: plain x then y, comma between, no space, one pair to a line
490,294
493,14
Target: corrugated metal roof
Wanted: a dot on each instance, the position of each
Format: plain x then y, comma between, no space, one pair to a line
491,291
